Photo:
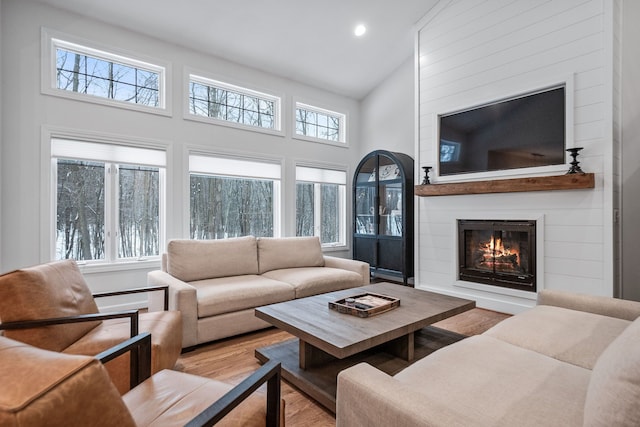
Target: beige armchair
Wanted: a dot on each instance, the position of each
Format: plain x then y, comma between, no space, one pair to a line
50,306
45,388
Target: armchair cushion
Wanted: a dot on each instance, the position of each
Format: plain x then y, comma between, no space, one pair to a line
42,387
289,252
183,397
166,343
190,260
52,290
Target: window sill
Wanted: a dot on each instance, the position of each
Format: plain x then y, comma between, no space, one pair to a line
320,141
144,264
335,248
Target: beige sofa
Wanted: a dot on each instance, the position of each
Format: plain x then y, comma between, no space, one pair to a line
217,284
572,360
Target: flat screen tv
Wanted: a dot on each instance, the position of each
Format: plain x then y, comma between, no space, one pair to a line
521,132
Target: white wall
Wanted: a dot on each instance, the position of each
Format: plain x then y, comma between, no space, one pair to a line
388,113
27,112
497,50
1,139
630,150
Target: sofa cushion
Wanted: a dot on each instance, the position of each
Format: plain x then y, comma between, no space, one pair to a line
289,252
309,281
52,290
228,294
190,260
614,390
509,385
571,336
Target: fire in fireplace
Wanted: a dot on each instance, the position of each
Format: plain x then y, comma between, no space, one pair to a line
498,252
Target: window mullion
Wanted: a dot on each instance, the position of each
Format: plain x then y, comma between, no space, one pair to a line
317,209
111,212
342,191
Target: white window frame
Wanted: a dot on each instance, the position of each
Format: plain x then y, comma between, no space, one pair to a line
208,80
342,117
230,166
51,40
323,174
111,262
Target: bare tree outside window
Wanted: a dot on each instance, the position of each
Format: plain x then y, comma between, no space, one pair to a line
317,124
325,221
80,210
304,209
330,214
232,106
223,207
138,211
89,75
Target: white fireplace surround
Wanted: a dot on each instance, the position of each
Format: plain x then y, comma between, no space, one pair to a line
487,216
577,231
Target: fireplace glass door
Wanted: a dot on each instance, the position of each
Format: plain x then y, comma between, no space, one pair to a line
499,253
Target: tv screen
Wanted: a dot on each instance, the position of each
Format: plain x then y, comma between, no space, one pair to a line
522,132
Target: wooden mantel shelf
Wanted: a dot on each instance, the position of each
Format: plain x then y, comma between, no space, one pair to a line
514,185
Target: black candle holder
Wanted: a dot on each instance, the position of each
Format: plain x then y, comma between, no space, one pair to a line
574,163
426,181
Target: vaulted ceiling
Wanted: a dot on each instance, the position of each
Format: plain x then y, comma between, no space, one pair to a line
310,42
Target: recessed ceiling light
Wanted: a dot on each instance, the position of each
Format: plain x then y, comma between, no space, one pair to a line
360,30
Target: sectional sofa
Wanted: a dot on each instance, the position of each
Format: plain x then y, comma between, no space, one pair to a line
217,284
573,360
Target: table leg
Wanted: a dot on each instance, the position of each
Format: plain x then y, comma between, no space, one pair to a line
311,356
402,347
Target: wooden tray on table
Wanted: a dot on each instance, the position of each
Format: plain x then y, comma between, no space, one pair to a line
365,305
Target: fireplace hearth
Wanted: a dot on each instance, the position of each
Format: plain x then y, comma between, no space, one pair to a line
498,252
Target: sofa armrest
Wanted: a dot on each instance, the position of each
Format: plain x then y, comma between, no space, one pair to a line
182,297
360,267
367,396
606,306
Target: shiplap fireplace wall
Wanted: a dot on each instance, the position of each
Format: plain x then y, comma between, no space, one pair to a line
469,53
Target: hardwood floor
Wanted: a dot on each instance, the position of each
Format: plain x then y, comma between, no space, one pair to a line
231,360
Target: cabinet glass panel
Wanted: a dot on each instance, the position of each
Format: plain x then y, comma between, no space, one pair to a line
367,173
391,208
389,170
366,209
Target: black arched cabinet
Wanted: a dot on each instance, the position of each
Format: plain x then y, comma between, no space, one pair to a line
383,214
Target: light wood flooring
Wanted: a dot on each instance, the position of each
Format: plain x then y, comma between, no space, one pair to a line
231,360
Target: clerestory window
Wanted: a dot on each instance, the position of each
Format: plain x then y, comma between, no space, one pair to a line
83,72
108,201
321,204
232,105
318,124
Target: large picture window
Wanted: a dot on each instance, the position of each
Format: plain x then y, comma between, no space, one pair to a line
320,204
232,197
108,201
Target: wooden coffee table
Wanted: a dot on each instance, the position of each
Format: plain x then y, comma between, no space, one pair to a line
328,341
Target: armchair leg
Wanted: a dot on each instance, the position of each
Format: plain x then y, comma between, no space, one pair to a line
273,400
